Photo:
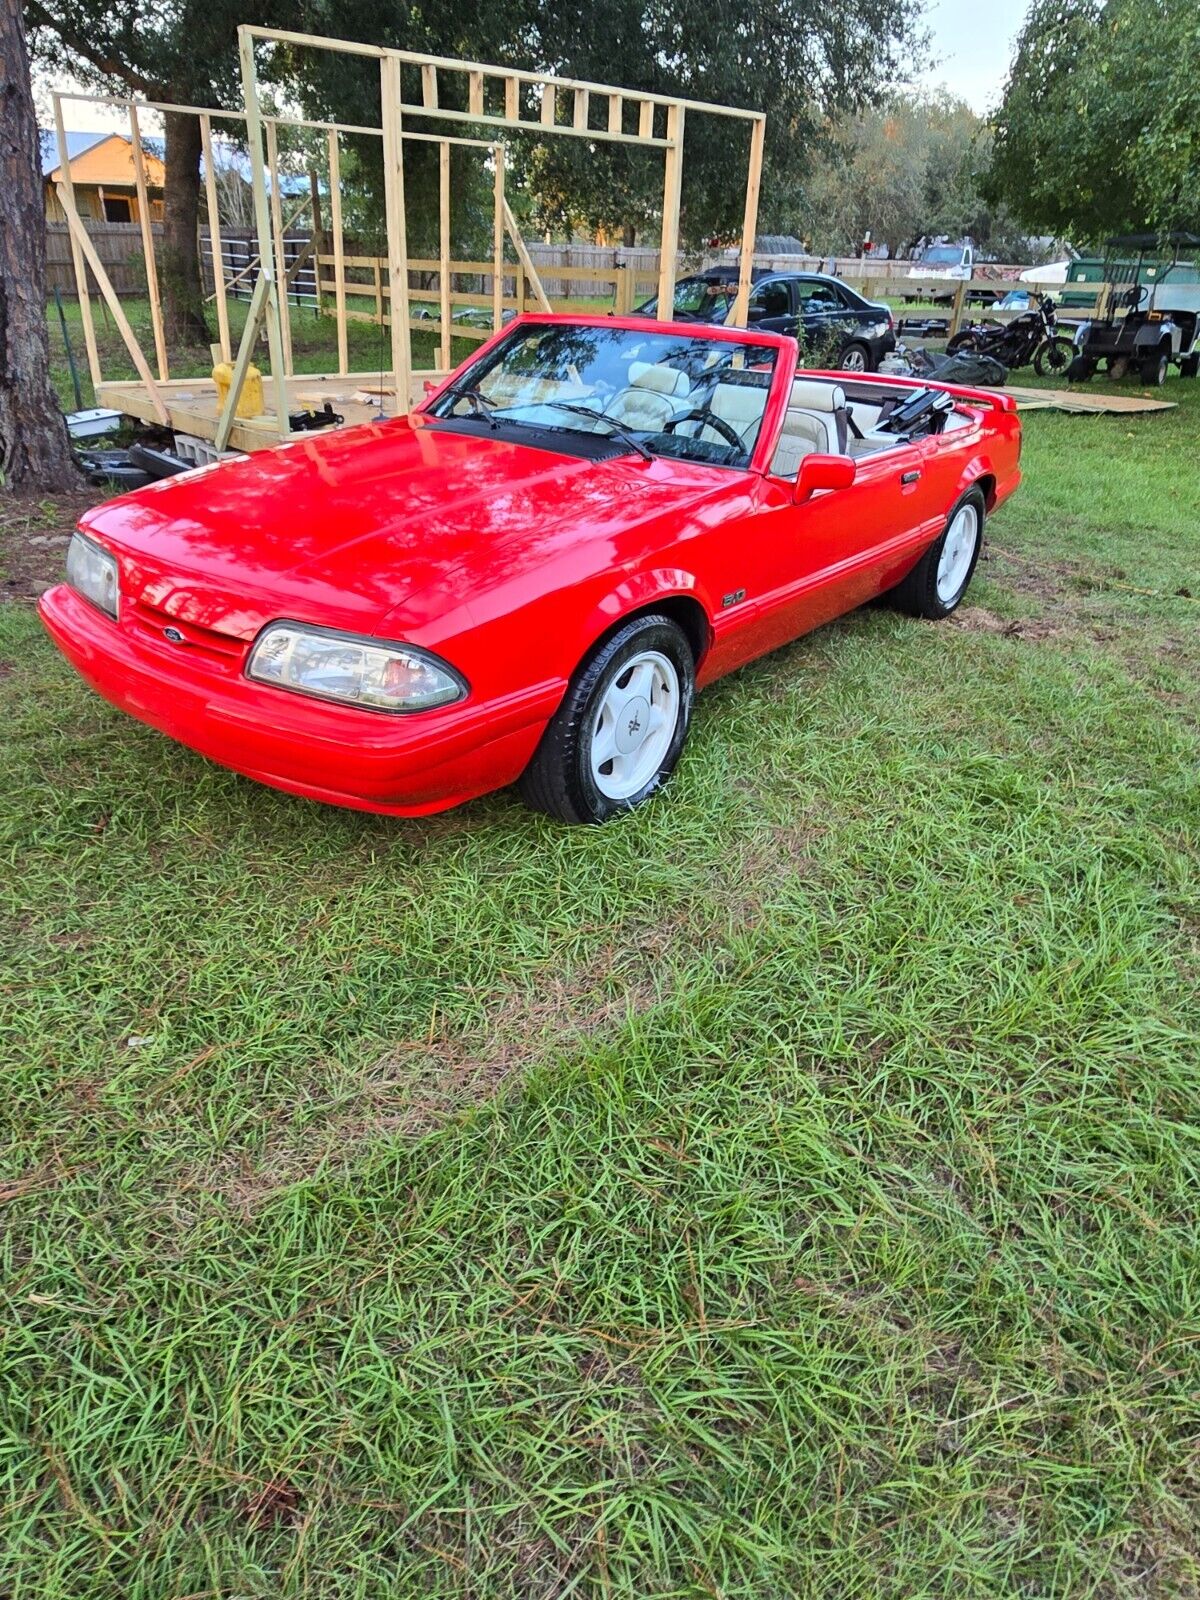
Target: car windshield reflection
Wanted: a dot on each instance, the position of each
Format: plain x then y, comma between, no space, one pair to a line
636,390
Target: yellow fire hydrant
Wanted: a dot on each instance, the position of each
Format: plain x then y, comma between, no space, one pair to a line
250,401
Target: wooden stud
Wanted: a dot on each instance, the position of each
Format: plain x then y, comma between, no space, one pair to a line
444,253
393,178
669,242
254,317
529,271
646,119
262,220
429,87
959,309
277,229
616,113
339,250
316,243
104,284
143,199
498,240
216,243
580,117
512,99
549,105
741,304
77,261
475,93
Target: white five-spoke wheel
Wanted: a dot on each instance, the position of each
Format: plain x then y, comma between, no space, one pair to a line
937,583
633,725
958,553
621,726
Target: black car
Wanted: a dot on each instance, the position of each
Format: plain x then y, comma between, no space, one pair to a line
836,327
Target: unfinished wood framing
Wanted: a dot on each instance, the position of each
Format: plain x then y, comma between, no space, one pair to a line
496,98
143,199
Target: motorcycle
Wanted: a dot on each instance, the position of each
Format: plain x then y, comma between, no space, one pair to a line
1031,337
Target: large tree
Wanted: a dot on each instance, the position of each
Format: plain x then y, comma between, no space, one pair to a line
183,52
1099,128
35,451
909,168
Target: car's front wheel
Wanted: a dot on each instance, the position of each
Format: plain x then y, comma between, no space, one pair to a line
936,585
621,726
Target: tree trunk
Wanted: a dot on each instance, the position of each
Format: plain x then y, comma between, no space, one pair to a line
179,265
35,450
629,236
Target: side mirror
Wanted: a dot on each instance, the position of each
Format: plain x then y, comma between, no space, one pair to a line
822,472
431,385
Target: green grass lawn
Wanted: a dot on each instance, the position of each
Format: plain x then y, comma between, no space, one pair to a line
790,1191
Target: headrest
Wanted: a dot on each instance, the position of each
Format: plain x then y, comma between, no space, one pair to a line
810,394
663,380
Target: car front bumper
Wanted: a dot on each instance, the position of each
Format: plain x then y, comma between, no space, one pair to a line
370,761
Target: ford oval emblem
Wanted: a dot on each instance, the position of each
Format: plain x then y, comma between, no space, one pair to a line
173,636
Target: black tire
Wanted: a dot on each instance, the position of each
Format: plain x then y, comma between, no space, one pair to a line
856,357
917,595
962,341
559,778
1081,370
1154,369
1190,365
1054,356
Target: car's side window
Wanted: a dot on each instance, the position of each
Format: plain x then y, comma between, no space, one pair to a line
769,300
817,297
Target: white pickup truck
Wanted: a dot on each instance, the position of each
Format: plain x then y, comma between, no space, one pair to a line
944,262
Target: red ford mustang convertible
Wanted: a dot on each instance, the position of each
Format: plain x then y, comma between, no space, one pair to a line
528,578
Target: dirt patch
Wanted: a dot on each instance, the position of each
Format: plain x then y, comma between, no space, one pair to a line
34,533
978,619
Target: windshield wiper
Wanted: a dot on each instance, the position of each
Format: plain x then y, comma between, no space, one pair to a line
616,431
480,405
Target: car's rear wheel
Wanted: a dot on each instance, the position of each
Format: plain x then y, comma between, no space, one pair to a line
621,727
856,357
936,585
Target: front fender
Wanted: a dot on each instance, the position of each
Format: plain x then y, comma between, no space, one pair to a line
641,590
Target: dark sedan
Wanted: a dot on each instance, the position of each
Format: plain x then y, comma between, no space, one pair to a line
836,327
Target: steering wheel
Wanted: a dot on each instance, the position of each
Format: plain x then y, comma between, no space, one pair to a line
712,420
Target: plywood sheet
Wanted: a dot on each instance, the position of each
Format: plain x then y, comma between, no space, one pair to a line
1095,402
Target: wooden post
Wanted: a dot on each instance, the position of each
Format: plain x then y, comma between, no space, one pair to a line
670,217
77,261
262,218
960,303
143,199
339,252
281,280
444,356
475,93
429,87
318,232
254,316
498,239
616,113
741,305
646,119
393,177
103,283
548,105
214,237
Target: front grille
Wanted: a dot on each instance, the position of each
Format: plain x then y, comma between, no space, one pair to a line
149,623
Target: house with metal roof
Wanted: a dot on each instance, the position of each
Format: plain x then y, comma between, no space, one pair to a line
102,172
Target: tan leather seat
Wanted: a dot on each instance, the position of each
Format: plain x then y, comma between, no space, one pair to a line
655,395
816,423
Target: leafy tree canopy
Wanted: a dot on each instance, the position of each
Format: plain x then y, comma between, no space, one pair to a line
1099,128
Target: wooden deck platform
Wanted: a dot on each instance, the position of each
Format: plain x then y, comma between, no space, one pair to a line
192,406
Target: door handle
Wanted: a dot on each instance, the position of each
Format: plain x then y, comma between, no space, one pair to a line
909,477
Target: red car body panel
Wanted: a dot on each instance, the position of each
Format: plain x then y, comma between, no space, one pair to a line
508,561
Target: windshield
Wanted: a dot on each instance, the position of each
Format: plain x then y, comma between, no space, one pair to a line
624,389
942,255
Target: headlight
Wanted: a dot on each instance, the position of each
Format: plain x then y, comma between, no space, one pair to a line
360,672
92,572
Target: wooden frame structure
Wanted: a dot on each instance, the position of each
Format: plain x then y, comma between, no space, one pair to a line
495,98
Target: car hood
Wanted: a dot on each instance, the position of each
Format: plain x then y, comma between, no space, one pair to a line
346,527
